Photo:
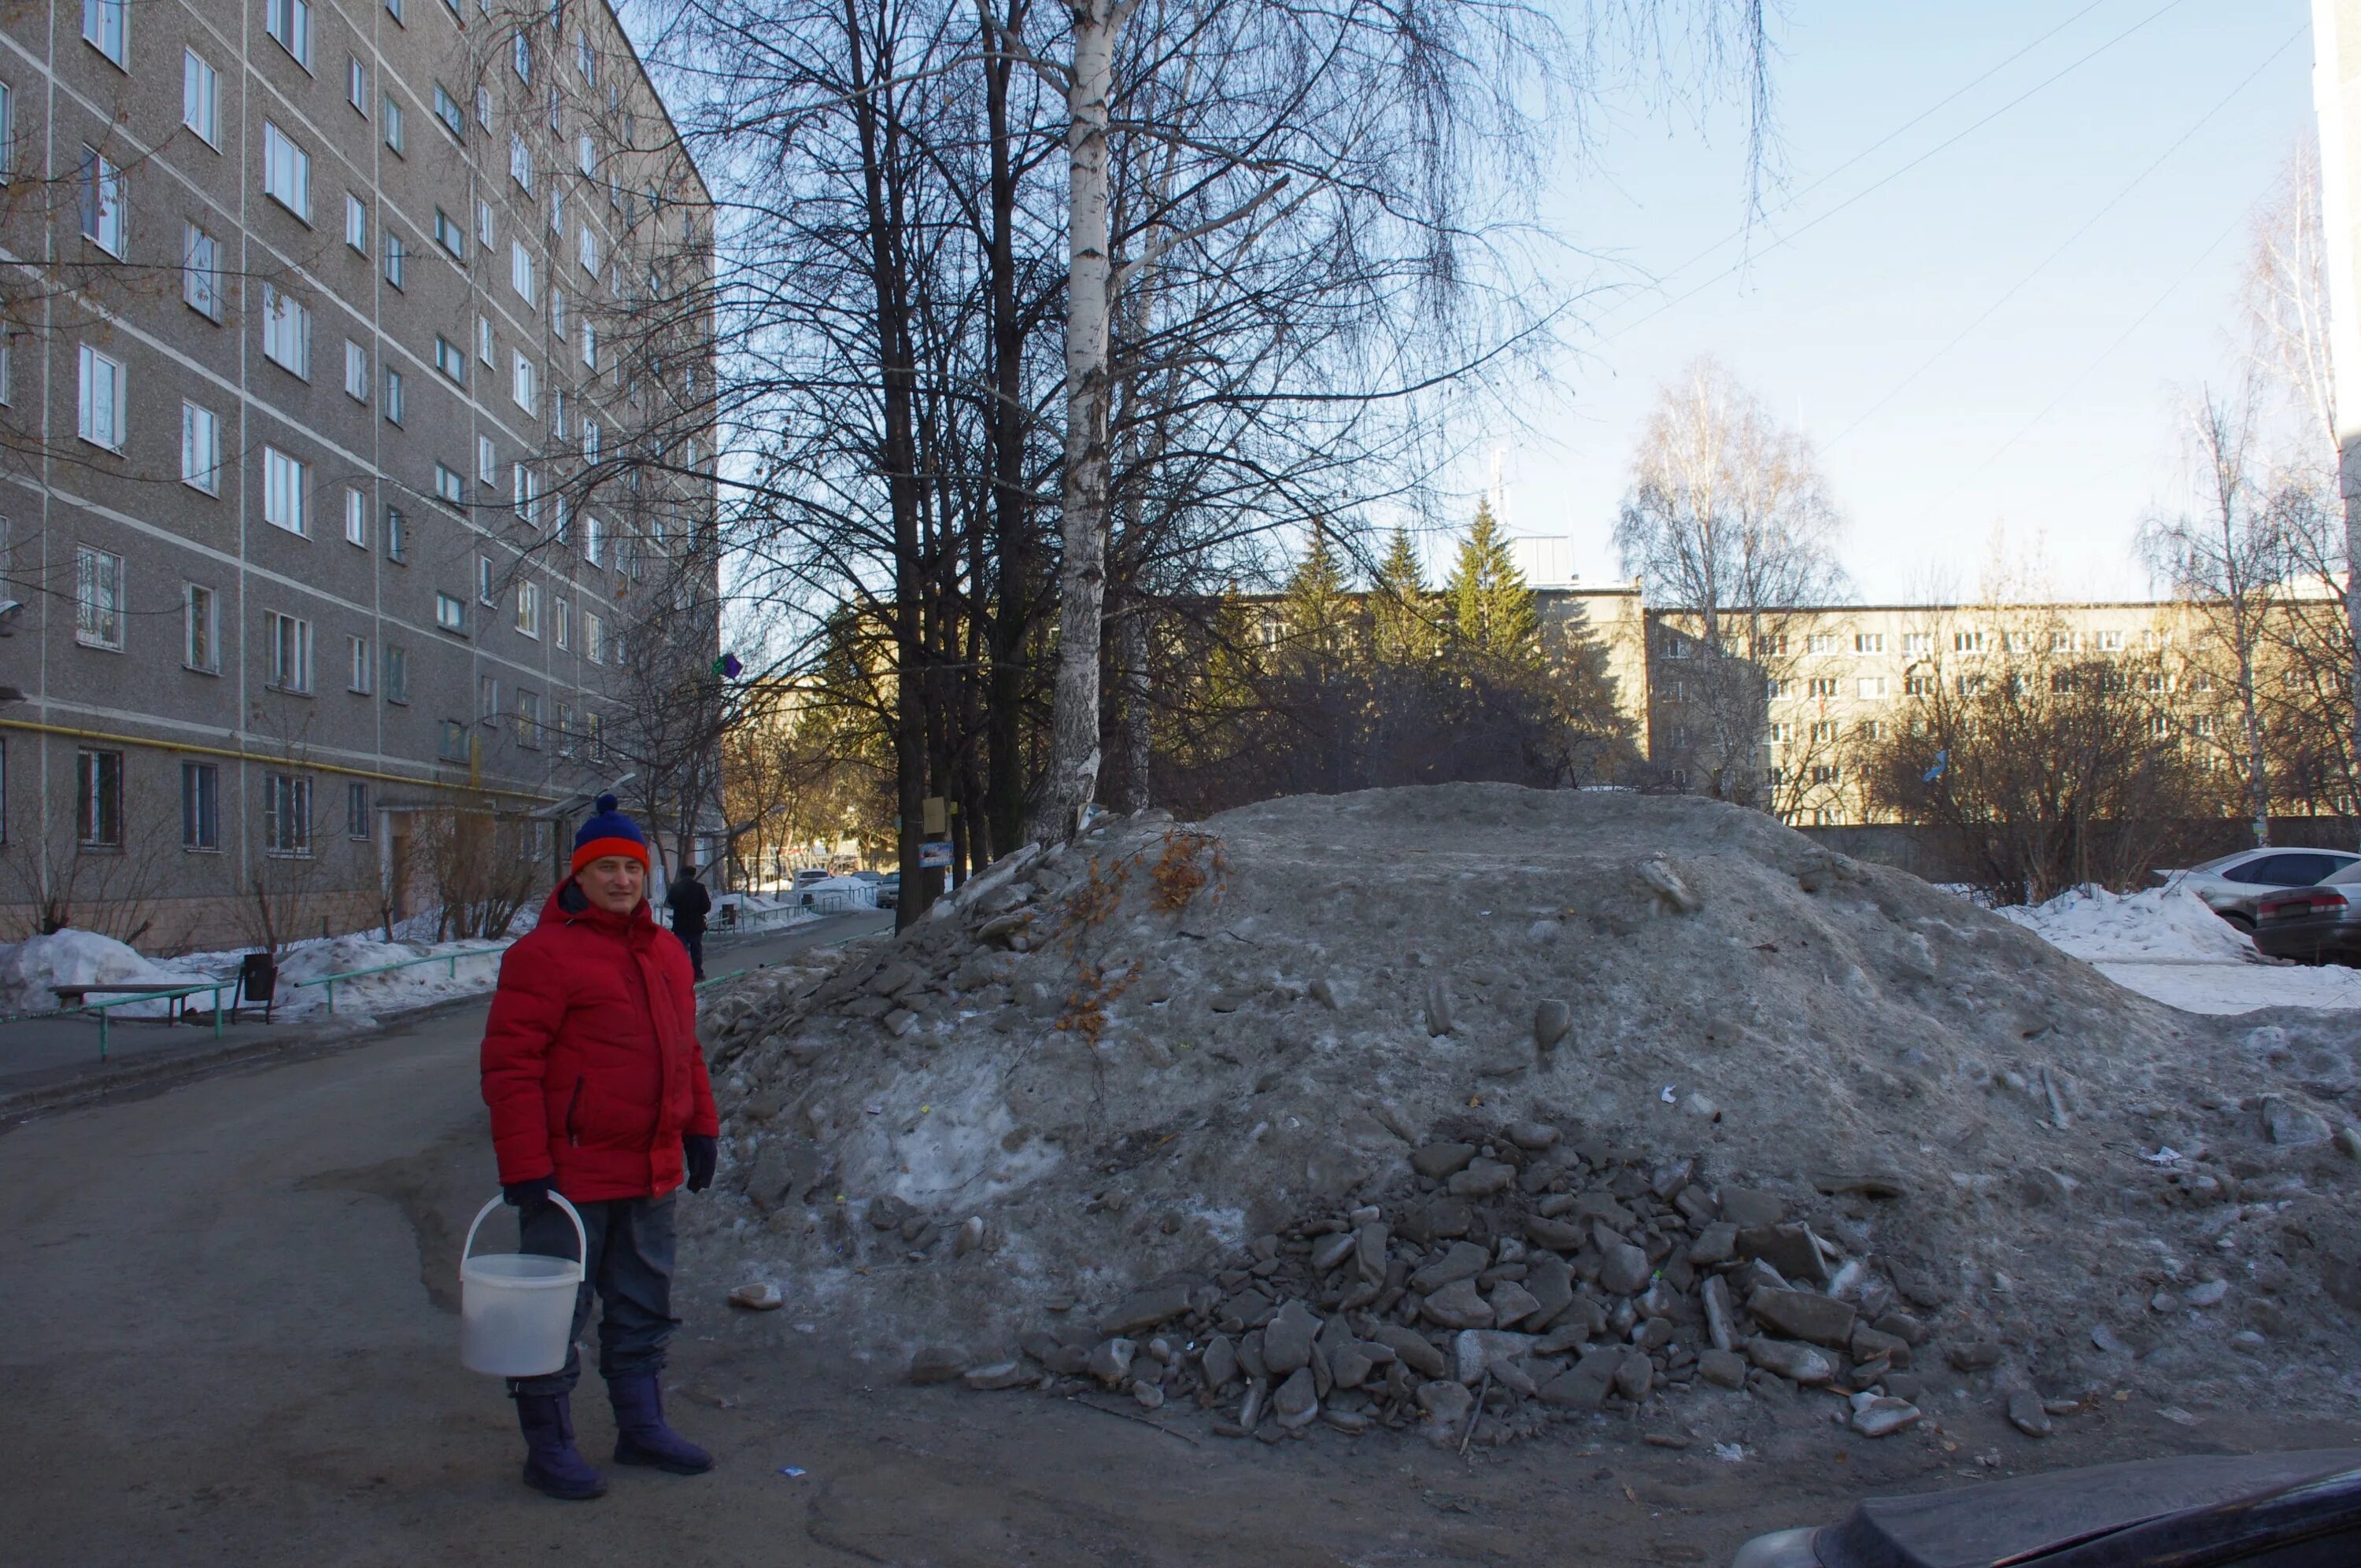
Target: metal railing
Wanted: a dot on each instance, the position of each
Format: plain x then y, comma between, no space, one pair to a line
165,994
452,959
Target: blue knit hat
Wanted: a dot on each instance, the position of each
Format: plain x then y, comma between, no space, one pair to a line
608,833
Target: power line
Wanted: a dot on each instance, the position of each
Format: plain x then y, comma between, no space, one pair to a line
2068,244
1747,229
1943,146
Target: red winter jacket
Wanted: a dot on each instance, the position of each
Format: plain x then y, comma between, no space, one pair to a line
591,1066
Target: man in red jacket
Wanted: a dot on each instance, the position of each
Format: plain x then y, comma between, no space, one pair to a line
599,1092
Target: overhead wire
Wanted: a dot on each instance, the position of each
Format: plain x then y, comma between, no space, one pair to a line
2068,244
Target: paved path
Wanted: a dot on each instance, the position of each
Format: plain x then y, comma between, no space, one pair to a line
226,1336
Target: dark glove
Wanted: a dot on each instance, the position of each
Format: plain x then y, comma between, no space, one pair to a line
701,1154
528,1196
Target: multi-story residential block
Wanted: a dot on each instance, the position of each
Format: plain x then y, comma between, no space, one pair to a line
351,397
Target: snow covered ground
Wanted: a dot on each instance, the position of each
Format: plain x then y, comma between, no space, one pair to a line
2165,943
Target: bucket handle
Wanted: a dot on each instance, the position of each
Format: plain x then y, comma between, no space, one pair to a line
581,1254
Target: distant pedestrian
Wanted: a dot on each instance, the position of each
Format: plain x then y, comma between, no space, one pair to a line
689,903
599,1092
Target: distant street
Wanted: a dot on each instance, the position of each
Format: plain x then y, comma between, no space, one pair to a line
230,1339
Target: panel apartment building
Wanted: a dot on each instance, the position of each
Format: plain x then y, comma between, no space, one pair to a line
348,408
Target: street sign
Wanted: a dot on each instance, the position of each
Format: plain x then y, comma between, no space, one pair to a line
933,853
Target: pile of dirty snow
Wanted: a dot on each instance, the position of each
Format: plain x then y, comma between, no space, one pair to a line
2162,924
31,969
470,970
1474,1109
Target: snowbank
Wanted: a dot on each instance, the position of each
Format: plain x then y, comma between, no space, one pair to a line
2167,925
29,970
476,970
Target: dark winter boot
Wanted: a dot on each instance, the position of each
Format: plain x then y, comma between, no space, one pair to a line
552,1462
641,1435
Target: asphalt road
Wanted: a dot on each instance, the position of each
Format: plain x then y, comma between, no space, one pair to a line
227,1334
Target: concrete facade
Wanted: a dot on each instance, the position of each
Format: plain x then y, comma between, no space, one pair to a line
355,542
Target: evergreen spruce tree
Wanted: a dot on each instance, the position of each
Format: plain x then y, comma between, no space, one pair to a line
1401,608
1490,609
1319,606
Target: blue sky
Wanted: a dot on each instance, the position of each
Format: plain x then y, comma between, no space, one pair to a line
2052,420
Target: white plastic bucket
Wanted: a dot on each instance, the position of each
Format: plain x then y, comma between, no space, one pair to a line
516,1308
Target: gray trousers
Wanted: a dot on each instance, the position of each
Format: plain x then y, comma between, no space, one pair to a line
630,1268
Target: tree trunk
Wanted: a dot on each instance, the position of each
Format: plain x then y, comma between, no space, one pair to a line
1131,644
1011,602
1072,774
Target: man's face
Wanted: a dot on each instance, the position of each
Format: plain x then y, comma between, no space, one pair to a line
613,882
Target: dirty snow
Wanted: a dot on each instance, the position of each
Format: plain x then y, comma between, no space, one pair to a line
2167,945
30,969
1115,1078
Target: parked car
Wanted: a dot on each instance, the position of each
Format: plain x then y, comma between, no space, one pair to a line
2231,885
2291,1510
889,891
2320,924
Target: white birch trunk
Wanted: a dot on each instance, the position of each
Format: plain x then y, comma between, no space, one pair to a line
1074,750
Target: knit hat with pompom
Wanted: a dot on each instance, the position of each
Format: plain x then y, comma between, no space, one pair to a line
609,832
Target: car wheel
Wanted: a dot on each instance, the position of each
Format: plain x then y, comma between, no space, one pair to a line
2243,922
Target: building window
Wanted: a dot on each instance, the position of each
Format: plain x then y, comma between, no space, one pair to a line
488,701
106,27
519,162
290,651
1773,688
98,799
591,741
397,258
448,110
484,107
286,172
1824,772
524,387
1824,730
1823,686
200,805
356,85
585,62
102,202
1917,642
1780,733
557,211
290,21
594,540
520,56
451,360
528,720
449,485
452,743
356,376
560,615
1917,686
588,252
397,675
1868,643
589,344
1967,642
286,814
355,224
396,536
200,449
486,581
1872,685
1872,730
451,613
201,271
528,608
356,810
393,395
100,417
594,637
2110,642
484,225
565,730
285,483
286,333
527,496
520,270
363,666
356,517
484,340
200,97
393,127
557,314
450,236
488,467
98,599
199,630
7,164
